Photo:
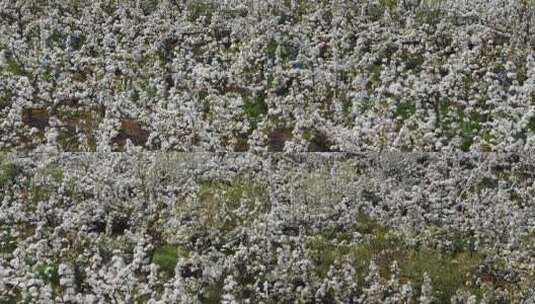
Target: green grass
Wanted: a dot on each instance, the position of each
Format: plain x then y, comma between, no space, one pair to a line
448,272
13,67
271,48
49,273
428,12
56,173
10,243
6,97
200,8
48,74
366,105
215,196
8,172
412,61
376,11
470,126
166,257
230,193
429,16
213,293
320,189
54,39
278,50
41,191
375,73
390,5
303,7
488,140
528,240
366,225
405,110
307,134
151,91
347,107
149,6
325,254
139,87
531,125
255,108
455,121
15,298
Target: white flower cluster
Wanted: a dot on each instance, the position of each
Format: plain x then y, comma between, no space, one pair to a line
179,86
277,75
266,228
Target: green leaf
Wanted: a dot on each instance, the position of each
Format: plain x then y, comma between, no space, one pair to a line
255,109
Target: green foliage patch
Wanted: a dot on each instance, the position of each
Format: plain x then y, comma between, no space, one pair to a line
405,109
448,272
255,108
166,256
200,8
13,67
8,172
214,195
49,273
